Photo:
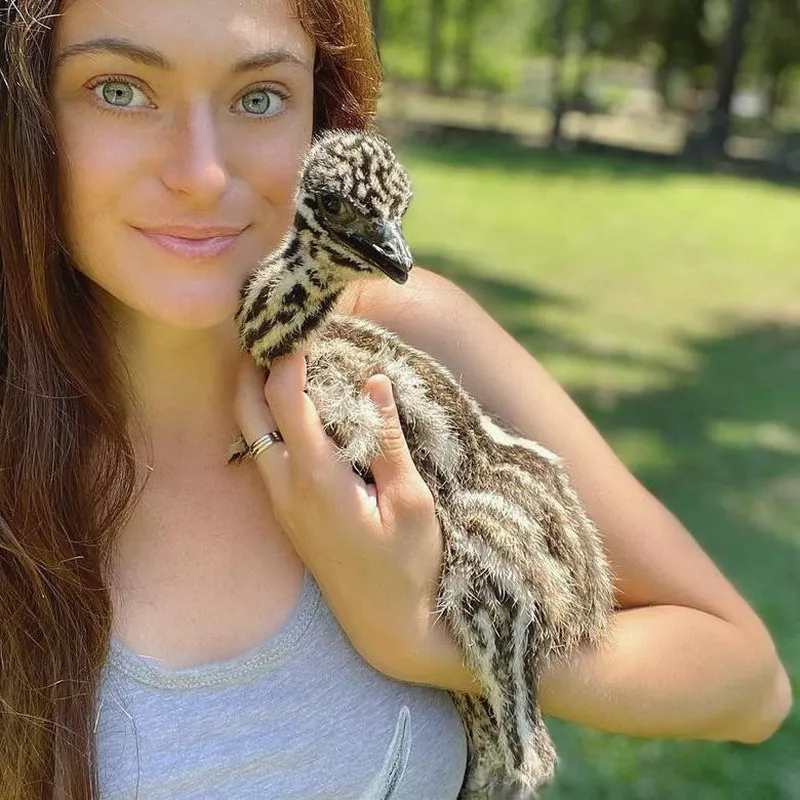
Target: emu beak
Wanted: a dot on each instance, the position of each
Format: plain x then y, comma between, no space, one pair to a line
385,247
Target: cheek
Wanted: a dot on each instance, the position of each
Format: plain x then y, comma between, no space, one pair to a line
95,168
275,181
268,175
270,155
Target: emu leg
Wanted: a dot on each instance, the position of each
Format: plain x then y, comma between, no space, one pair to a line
511,753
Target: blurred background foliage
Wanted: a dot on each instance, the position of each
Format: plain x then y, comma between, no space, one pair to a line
616,183
706,77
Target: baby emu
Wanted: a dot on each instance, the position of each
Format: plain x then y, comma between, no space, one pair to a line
524,576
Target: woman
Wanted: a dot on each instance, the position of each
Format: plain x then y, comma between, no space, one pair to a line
149,153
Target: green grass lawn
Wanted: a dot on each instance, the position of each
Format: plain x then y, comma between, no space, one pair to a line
669,306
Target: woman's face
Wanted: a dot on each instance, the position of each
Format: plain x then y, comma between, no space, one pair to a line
181,127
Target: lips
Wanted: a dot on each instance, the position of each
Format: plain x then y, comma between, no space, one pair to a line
193,241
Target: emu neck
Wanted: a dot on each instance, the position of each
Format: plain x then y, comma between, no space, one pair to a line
302,286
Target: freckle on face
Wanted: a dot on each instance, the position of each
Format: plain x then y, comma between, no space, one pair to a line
189,157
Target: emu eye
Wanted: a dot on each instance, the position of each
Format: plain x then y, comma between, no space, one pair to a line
332,204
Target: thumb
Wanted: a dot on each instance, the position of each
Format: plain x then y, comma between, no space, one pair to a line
393,465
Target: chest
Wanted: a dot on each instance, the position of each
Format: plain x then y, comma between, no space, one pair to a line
202,571
299,716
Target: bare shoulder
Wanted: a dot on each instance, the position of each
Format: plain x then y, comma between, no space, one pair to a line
384,301
417,311
655,559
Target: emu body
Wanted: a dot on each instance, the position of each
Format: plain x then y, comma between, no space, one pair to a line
524,576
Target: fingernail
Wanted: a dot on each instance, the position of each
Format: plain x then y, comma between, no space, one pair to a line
382,391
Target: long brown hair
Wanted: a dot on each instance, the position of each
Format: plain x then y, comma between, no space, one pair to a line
67,471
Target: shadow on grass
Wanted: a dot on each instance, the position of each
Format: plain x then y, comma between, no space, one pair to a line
728,436
510,303
506,154
495,291
486,149
731,429
730,432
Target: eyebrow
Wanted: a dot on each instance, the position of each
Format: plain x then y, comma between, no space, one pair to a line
153,58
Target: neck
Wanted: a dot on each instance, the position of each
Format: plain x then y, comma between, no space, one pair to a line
183,384
289,297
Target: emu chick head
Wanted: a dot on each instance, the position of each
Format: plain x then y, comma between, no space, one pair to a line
352,195
350,200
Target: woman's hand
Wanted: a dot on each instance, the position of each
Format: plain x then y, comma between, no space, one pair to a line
375,551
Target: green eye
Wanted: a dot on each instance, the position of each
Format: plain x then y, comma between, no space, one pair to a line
261,102
120,93
117,93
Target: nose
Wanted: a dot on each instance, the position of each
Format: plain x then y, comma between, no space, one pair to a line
195,166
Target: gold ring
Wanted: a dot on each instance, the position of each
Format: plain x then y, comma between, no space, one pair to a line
264,442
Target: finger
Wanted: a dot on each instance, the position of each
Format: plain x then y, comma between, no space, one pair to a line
294,412
252,413
394,468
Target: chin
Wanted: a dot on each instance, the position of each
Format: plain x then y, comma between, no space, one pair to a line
188,310
194,314
170,292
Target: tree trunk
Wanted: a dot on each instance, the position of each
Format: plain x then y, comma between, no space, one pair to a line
775,93
466,44
436,45
590,17
560,8
661,79
727,70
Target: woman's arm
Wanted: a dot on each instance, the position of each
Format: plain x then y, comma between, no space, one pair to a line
688,657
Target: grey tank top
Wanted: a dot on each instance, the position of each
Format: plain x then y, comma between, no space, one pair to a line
299,716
